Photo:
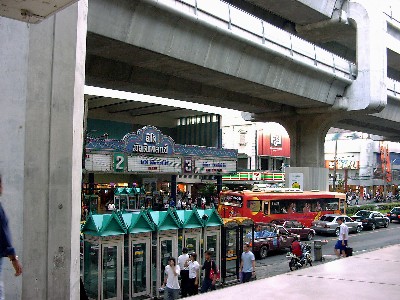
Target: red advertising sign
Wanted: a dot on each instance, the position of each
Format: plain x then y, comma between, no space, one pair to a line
271,144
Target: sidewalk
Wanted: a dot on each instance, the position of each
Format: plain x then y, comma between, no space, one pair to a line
372,275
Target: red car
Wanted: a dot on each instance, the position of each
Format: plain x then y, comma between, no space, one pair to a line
296,227
269,237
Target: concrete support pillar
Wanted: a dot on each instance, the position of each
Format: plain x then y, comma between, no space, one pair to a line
43,74
368,91
219,184
173,187
307,139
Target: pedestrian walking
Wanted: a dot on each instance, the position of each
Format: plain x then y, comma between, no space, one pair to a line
247,264
341,244
194,275
171,282
208,282
183,260
6,248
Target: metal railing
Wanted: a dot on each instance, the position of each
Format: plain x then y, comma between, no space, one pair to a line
227,17
392,11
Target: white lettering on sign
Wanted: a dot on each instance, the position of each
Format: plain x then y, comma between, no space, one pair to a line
150,149
213,166
150,138
149,164
120,160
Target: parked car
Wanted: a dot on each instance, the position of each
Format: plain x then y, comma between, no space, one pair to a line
269,237
394,214
371,219
294,226
327,224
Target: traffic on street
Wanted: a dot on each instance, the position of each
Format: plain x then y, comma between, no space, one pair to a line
368,240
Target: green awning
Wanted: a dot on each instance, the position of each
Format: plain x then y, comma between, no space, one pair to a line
138,222
120,191
104,225
189,218
210,217
164,220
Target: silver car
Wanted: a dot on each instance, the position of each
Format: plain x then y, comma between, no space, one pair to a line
328,224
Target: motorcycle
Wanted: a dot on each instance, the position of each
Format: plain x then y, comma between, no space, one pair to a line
296,262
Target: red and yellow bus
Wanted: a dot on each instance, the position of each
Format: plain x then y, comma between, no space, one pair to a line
271,204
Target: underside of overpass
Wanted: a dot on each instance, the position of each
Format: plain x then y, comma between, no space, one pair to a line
153,52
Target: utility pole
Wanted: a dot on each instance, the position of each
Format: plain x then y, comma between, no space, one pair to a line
335,168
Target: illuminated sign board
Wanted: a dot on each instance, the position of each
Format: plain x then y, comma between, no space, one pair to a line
149,164
214,166
99,162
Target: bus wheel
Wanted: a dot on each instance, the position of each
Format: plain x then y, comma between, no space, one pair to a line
263,252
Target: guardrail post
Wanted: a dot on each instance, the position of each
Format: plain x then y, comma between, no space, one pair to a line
195,7
230,20
263,31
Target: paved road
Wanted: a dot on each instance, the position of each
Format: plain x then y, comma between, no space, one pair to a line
365,241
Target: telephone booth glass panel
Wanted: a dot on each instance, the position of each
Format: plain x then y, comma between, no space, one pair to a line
132,202
91,269
139,268
212,244
166,252
231,254
111,274
192,245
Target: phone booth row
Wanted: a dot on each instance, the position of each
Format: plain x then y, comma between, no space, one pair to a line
125,254
92,202
129,198
235,233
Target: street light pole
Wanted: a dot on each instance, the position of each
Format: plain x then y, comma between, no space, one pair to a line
335,168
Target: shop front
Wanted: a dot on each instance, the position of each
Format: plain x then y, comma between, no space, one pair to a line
151,165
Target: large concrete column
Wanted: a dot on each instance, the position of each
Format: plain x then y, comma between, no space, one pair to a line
42,71
307,139
307,158
53,155
368,91
13,80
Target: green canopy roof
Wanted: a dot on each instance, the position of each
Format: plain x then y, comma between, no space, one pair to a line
164,220
138,222
210,217
189,218
120,191
104,225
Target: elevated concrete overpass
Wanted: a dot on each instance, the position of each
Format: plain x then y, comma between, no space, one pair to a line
214,53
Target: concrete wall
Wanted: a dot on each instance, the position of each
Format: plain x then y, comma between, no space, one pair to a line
42,71
13,83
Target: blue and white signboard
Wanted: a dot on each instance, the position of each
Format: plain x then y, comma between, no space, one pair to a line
149,140
150,164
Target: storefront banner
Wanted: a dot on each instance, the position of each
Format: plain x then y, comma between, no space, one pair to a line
342,164
214,166
99,162
150,164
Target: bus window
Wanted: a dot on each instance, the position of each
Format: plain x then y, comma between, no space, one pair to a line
266,207
283,207
254,205
232,200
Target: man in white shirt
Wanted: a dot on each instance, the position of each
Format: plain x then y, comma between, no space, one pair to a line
194,275
171,282
341,244
182,262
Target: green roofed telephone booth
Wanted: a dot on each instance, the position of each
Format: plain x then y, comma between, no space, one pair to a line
192,227
138,254
136,198
165,243
93,203
212,223
230,251
121,198
103,256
